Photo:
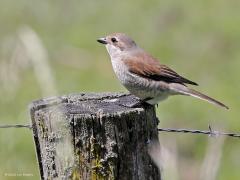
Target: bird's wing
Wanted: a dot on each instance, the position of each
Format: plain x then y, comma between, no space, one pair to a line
146,66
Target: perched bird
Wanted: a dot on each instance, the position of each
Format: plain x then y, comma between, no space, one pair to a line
143,75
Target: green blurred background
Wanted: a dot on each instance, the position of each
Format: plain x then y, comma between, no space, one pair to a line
57,39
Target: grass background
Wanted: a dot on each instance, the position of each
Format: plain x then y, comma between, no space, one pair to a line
199,39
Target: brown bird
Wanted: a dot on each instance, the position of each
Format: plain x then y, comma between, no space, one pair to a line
143,75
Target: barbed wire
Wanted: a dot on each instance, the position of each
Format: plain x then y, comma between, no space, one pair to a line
209,132
16,126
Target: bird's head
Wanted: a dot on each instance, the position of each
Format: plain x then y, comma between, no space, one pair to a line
117,43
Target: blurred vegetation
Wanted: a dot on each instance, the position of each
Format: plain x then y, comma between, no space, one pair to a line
199,39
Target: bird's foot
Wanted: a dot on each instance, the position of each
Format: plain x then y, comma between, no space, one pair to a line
137,104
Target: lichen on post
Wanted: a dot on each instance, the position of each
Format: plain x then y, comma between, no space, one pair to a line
94,136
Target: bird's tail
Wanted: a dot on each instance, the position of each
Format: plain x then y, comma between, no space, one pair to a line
191,92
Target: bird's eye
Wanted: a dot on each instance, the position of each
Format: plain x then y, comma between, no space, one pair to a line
114,40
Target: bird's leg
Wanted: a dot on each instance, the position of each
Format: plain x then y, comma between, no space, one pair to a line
137,104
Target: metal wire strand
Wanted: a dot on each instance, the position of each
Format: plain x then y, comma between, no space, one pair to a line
16,126
209,132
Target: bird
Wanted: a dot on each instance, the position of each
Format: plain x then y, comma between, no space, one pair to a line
144,76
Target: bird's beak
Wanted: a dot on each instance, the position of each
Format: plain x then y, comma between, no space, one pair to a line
102,40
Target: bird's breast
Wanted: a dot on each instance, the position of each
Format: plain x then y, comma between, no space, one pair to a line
120,70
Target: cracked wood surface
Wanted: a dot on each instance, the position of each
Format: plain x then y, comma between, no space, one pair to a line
94,136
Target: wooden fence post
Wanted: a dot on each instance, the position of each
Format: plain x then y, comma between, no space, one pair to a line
94,136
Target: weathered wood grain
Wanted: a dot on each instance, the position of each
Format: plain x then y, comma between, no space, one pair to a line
94,136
